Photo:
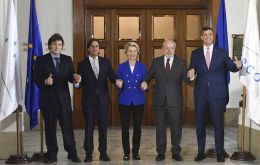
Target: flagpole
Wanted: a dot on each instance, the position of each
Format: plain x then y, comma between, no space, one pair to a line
243,155
39,156
19,158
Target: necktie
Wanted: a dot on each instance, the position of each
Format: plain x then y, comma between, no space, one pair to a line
168,68
57,64
94,67
207,57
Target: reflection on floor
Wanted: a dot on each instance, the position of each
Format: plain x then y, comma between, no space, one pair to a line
147,149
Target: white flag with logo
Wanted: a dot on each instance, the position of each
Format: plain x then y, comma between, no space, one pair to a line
250,73
10,80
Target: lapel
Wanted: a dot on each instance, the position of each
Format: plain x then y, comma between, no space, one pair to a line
90,67
202,59
127,67
100,62
135,68
161,64
62,63
50,63
213,58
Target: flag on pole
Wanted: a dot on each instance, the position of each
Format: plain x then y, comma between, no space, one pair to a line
10,80
34,50
222,36
250,73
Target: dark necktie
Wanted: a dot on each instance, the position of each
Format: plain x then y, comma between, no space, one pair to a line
168,68
57,64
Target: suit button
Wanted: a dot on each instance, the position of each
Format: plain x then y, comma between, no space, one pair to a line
136,81
128,81
129,87
134,87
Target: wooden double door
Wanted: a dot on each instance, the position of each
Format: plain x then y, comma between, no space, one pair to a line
148,28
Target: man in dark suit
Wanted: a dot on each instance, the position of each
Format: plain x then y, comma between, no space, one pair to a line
169,71
208,66
94,72
52,72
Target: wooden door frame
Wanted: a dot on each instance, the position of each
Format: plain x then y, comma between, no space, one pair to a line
80,32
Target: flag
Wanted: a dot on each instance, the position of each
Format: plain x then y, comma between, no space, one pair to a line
34,50
222,37
10,80
250,73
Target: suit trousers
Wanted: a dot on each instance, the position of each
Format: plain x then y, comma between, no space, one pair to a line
174,115
64,116
99,111
216,107
125,114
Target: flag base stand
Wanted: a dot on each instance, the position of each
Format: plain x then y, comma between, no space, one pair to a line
18,159
38,157
211,153
242,156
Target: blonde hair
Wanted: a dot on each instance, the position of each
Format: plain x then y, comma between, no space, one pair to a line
127,45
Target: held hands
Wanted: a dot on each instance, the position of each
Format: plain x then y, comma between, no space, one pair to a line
76,78
191,74
144,86
119,83
238,63
49,80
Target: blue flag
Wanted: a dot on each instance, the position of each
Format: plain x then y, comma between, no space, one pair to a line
222,36
34,50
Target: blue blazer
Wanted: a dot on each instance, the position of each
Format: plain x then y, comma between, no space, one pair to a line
211,80
131,92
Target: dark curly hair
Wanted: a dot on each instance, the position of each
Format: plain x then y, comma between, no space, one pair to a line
55,37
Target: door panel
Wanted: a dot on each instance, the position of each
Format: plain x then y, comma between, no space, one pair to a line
148,28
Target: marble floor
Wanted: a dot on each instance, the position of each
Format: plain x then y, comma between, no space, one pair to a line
147,150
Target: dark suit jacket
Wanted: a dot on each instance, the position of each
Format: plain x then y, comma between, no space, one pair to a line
167,86
211,80
94,88
59,91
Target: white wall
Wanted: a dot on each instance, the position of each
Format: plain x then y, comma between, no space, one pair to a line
236,11
54,16
248,122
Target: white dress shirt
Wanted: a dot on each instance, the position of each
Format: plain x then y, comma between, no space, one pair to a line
91,59
171,60
210,50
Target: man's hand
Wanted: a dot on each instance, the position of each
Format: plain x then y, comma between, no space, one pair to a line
238,63
191,74
49,80
119,83
76,78
144,86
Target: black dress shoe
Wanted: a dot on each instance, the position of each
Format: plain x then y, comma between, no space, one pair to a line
74,159
220,158
160,157
49,160
200,157
88,158
104,157
136,157
225,154
177,157
126,157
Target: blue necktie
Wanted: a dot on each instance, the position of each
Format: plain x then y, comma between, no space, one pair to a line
57,64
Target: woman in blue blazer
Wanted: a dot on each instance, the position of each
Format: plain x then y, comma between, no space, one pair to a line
131,98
